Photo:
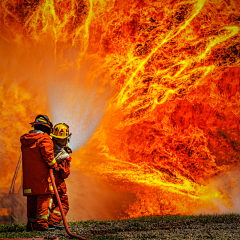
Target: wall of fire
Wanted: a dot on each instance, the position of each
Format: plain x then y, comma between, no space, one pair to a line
150,90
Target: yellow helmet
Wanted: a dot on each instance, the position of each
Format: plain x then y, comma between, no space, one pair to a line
61,130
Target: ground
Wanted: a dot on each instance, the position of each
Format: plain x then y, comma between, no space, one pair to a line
220,227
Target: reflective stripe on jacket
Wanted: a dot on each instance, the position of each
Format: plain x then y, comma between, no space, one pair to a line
37,158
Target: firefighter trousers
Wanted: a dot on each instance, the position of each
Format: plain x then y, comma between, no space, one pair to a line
56,216
38,210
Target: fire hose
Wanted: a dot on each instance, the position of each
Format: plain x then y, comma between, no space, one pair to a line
61,209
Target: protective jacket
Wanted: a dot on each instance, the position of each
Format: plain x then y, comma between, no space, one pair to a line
37,158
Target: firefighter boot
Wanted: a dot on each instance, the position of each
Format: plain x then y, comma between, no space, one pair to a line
59,227
29,227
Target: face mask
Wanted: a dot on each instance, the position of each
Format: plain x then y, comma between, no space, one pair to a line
60,142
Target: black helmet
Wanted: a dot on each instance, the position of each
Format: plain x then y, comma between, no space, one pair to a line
42,120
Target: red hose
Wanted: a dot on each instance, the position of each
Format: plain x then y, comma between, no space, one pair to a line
61,209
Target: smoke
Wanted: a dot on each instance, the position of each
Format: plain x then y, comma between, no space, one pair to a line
229,183
91,199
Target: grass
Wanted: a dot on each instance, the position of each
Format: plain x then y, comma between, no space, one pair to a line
20,235
18,230
12,227
214,218
84,223
107,238
135,224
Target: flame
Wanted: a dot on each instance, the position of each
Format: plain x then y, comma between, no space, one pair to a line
150,88
16,110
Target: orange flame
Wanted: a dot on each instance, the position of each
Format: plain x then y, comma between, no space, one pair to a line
172,125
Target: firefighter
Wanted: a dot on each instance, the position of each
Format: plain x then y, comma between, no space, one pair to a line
62,151
37,159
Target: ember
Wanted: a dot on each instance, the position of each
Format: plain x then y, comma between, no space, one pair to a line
151,86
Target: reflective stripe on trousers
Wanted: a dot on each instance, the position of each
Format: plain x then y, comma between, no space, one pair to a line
42,216
50,206
57,212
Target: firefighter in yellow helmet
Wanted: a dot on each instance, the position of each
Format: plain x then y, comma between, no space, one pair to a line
60,137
